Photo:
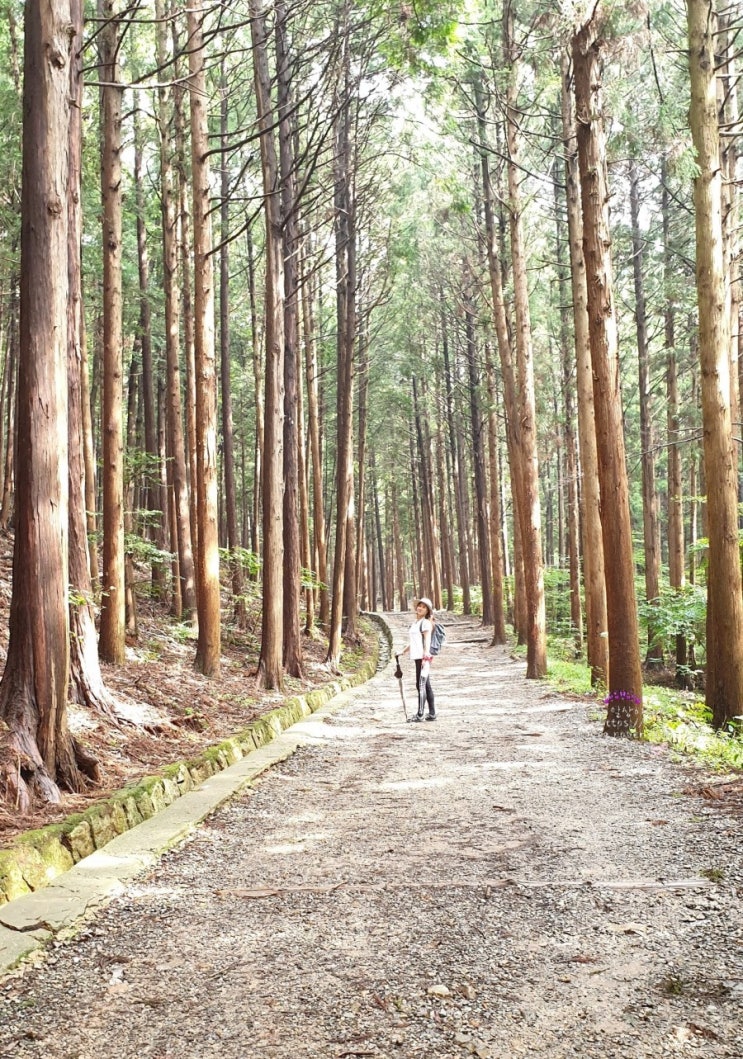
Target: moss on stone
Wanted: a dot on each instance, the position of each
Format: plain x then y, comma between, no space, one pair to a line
79,840
12,883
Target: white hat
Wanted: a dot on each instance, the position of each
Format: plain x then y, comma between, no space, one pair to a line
426,603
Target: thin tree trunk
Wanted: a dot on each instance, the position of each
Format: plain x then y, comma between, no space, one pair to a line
178,472
567,359
292,650
113,605
131,443
676,571
86,683
650,505
529,506
228,445
458,471
499,617
184,217
477,426
270,672
345,360
313,417
154,528
207,565
6,508
593,546
89,460
258,388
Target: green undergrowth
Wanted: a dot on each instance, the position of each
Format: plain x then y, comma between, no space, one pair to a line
678,719
682,720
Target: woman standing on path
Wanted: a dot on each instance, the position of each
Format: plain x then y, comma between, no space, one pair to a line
419,649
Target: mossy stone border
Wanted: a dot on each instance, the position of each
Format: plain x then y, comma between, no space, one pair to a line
38,857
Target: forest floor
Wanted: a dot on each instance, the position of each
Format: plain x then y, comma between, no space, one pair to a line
504,882
166,711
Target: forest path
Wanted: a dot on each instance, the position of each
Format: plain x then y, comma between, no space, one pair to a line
505,882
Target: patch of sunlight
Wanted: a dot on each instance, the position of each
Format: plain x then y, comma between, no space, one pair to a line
417,785
297,845
505,766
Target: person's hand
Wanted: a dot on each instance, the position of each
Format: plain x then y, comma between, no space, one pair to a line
427,658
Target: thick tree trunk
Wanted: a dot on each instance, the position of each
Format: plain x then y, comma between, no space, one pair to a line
38,751
113,604
724,678
270,671
207,565
624,713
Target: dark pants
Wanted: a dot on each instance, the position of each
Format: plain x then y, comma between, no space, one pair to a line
425,693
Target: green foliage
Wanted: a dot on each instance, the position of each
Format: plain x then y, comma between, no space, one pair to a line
557,602
311,580
677,613
249,561
675,718
683,721
144,551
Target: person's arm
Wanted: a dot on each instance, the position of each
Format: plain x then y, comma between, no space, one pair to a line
427,656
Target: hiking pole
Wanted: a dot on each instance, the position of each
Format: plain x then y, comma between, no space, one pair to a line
398,674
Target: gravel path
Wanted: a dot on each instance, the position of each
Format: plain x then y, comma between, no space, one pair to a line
505,882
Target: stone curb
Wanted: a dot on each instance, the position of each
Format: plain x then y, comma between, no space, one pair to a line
51,878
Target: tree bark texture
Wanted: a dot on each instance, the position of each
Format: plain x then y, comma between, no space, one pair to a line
724,677
650,504
624,715
175,445
270,665
292,649
111,643
594,581
228,443
38,749
529,508
207,554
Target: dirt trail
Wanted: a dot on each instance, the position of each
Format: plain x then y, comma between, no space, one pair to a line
503,882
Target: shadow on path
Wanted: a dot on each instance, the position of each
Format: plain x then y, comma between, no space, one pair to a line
505,882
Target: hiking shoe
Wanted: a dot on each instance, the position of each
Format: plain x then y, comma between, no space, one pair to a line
416,717
431,717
